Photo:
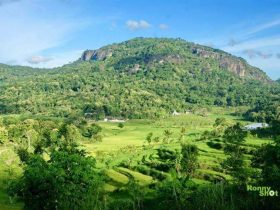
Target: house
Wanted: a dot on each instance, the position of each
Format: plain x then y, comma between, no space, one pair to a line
175,113
255,126
112,119
188,112
88,115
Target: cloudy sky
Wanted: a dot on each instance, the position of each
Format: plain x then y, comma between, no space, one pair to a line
49,33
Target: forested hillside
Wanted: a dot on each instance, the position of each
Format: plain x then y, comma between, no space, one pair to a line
138,78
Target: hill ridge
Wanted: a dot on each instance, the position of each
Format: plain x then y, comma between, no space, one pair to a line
225,60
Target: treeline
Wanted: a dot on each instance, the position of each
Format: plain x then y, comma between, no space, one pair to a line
35,133
265,111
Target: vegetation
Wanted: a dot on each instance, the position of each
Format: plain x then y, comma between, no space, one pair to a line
58,152
159,76
66,181
234,137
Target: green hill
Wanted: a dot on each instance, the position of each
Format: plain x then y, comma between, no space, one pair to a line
139,78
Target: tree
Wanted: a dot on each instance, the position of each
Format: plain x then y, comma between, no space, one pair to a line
189,161
67,181
31,136
167,134
220,122
267,158
15,132
70,133
174,193
219,127
149,137
91,131
3,135
234,136
182,134
120,125
136,193
156,139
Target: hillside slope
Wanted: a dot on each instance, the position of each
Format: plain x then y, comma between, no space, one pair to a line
141,53
138,78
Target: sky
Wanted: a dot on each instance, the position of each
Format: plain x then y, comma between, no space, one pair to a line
50,33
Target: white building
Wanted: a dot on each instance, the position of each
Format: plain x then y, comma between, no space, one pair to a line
255,126
116,120
175,113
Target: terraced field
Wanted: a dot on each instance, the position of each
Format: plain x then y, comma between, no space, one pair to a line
124,154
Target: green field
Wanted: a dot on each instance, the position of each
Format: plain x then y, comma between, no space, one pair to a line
122,149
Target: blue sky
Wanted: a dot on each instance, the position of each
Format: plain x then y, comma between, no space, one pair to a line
49,33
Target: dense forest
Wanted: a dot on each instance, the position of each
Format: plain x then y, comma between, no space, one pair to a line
140,78
57,152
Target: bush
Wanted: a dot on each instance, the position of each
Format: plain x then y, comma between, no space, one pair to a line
120,125
214,145
66,181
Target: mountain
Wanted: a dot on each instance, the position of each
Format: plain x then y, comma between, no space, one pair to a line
146,51
138,78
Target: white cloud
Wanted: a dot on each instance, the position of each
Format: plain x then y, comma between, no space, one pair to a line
135,25
57,59
271,66
163,26
254,44
264,26
257,54
38,59
260,51
28,29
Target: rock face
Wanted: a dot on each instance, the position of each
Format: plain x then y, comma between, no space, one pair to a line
225,61
96,55
236,67
142,52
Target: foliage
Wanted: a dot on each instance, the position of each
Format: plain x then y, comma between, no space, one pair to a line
67,181
144,78
149,137
235,164
189,159
171,76
267,158
120,125
174,193
265,111
91,130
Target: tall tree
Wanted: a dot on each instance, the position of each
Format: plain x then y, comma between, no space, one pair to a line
189,162
235,165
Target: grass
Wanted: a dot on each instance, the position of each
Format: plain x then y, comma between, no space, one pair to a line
116,176
138,177
9,170
125,144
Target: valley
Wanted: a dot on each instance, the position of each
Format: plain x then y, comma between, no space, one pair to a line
148,123
122,149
